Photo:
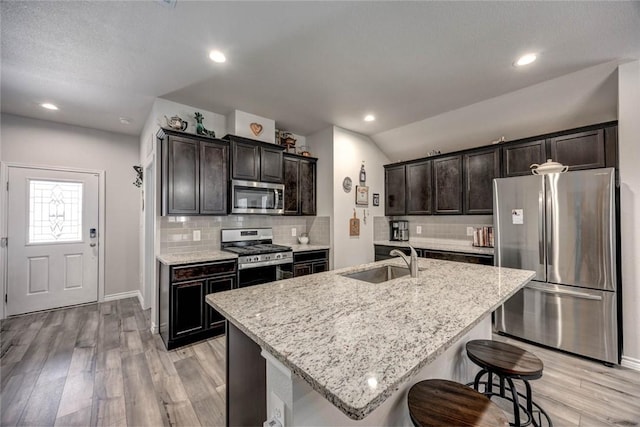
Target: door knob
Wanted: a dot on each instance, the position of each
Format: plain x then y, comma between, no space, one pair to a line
92,244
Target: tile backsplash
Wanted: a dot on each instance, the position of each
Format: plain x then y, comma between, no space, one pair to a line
176,232
444,227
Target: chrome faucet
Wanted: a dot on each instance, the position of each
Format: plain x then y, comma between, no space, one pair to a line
412,262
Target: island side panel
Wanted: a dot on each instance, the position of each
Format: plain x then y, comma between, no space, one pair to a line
246,380
306,407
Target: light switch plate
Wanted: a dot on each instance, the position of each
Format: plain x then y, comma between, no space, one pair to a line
196,235
293,232
419,229
469,231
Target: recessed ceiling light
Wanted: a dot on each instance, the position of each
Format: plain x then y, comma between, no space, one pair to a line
49,106
525,59
369,118
125,120
217,56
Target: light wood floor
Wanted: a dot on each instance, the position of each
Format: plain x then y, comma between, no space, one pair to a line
99,365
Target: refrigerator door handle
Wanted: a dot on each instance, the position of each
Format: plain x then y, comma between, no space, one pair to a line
541,228
575,294
549,218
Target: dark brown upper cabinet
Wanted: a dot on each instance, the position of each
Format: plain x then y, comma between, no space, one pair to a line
194,174
299,185
395,190
418,176
447,184
480,168
517,158
583,150
253,160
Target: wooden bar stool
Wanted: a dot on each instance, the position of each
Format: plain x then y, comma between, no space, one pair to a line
447,403
509,363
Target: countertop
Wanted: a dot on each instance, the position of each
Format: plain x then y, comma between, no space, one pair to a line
210,256
191,257
448,245
355,342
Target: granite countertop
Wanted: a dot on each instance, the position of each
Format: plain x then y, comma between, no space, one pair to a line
338,333
448,245
307,247
206,256
191,257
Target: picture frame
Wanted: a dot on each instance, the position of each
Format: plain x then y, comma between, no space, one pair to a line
376,199
362,195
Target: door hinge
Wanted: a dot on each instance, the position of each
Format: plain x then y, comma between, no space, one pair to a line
4,242
6,300
7,185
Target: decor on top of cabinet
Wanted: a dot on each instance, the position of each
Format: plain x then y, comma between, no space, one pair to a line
200,129
256,128
499,140
354,225
303,151
433,153
548,167
362,195
176,123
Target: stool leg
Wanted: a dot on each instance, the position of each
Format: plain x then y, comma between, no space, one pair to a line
501,386
476,381
490,382
529,399
516,405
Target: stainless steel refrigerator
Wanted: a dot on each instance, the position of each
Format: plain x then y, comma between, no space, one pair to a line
562,226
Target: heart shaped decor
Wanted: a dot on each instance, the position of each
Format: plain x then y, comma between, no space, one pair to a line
256,128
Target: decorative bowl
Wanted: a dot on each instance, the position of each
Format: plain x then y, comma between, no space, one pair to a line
303,240
548,167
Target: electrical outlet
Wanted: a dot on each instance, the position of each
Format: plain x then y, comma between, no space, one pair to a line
419,229
469,231
277,408
293,232
196,235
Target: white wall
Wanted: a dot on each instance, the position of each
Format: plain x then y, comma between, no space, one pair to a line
39,142
349,150
629,150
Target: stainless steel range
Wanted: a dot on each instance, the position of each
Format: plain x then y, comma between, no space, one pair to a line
259,259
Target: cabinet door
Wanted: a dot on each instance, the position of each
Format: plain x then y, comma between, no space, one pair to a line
291,190
447,185
479,170
187,315
302,269
217,285
271,164
213,178
320,266
307,194
419,188
183,178
245,161
584,150
394,188
519,157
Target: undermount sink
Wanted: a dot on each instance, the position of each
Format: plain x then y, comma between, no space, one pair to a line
379,274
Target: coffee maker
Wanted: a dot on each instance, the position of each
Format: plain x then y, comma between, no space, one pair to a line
399,230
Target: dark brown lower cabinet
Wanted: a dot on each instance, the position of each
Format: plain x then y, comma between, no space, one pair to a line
382,253
310,262
185,316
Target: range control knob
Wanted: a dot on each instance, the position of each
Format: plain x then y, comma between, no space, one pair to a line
278,256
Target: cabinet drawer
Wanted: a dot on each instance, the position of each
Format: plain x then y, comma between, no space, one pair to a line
196,271
459,257
310,256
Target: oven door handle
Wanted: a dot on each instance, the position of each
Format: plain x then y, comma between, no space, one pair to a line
265,263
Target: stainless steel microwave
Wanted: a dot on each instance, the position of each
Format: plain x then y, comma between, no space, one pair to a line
253,197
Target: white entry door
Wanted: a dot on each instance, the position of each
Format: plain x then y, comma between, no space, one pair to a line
53,239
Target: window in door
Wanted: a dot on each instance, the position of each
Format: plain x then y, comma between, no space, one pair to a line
55,211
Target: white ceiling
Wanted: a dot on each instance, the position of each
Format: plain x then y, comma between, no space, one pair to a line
305,64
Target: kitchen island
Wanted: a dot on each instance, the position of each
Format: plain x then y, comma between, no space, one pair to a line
339,350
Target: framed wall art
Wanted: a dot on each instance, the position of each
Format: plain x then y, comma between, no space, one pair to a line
376,199
362,195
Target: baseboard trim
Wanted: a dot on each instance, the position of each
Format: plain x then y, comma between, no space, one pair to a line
154,328
631,363
123,295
